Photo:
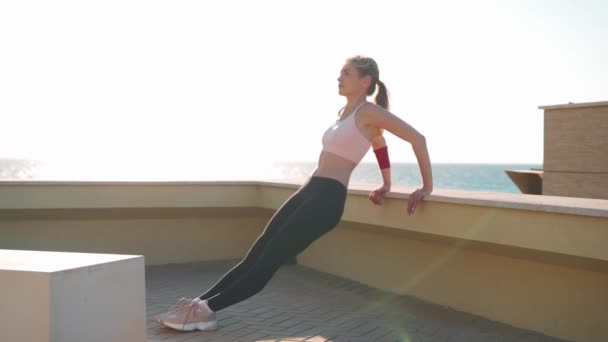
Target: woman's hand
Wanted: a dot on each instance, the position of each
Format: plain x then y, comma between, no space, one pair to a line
415,198
377,195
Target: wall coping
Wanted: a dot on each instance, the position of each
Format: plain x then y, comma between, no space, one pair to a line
541,203
576,105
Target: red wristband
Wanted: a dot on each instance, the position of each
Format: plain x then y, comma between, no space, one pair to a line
382,158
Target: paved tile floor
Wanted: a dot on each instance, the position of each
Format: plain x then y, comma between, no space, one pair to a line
302,304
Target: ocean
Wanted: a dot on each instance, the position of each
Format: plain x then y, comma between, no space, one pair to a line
466,176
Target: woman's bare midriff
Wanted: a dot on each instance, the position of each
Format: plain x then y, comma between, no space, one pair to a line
334,166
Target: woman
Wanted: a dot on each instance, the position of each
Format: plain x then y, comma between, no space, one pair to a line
316,207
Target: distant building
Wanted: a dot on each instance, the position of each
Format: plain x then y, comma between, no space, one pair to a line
575,161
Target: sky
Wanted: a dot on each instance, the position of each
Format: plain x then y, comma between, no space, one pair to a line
255,81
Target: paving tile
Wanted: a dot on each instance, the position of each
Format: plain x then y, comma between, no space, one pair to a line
302,304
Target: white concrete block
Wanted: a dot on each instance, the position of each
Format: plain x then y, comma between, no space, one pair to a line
71,297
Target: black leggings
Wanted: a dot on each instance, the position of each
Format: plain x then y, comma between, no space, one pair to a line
312,211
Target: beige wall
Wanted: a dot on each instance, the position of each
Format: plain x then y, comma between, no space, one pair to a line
579,184
576,150
537,262
166,222
576,139
161,240
564,301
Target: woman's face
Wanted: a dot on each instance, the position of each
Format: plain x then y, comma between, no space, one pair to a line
349,82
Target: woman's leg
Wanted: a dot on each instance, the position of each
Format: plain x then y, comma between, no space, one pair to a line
315,216
277,220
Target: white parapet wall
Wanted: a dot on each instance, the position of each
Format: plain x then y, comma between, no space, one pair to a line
71,297
535,262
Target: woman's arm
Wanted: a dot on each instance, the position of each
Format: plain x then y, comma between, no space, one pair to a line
383,119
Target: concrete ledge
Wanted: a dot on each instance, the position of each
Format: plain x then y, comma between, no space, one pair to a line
234,194
71,297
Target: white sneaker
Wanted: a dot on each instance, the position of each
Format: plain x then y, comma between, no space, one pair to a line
188,315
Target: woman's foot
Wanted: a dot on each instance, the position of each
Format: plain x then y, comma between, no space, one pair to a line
180,303
188,315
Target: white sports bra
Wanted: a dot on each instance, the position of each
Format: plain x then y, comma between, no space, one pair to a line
345,140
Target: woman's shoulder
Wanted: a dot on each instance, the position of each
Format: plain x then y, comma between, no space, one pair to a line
372,109
376,115
370,106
